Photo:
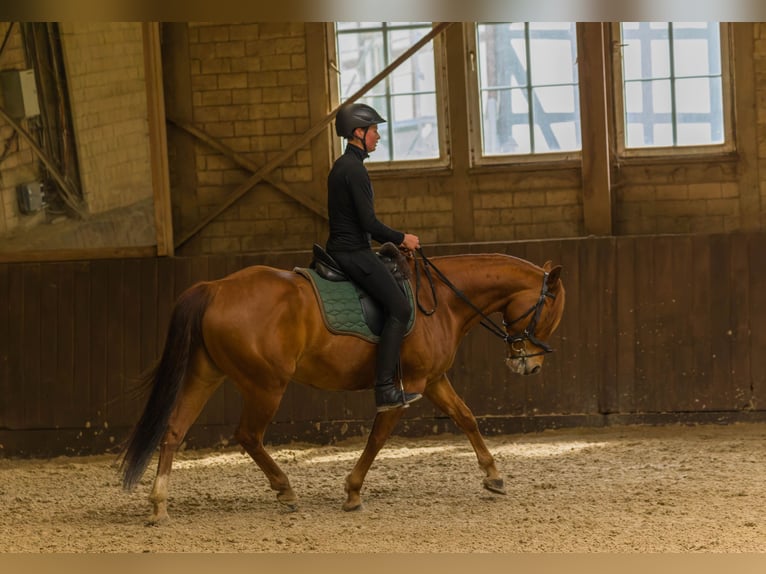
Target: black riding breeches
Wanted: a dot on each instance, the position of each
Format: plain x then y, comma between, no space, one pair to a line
366,269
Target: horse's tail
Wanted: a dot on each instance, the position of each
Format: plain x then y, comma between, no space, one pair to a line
166,379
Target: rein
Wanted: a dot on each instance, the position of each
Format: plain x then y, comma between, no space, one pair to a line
528,334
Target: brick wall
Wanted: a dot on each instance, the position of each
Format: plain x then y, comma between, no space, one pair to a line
105,75
250,91
249,86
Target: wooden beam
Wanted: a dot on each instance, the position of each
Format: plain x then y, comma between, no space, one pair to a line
241,160
77,254
745,101
72,196
158,144
303,139
459,78
596,176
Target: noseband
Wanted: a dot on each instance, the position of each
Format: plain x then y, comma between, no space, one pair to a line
516,343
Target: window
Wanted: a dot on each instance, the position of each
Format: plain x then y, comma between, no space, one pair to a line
673,95
527,95
407,97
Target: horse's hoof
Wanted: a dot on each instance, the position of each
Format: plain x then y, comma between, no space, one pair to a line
287,506
352,506
157,520
495,485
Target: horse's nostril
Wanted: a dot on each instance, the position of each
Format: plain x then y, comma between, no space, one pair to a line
535,370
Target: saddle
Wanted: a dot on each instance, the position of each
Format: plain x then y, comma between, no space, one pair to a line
347,308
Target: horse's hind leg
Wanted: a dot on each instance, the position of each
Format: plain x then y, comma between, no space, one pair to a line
257,412
441,393
191,401
381,429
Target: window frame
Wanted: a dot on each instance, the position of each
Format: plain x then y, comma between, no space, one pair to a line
442,110
477,157
655,152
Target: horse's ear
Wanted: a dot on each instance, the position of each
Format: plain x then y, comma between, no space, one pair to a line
548,265
553,275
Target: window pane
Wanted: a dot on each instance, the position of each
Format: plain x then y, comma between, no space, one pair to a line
361,56
553,55
555,127
673,92
646,54
415,132
406,98
528,87
697,49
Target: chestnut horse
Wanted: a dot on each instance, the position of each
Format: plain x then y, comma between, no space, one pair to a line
262,328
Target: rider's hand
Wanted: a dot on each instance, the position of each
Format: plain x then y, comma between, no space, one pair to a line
411,242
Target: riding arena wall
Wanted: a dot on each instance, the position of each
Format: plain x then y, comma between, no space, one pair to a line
170,122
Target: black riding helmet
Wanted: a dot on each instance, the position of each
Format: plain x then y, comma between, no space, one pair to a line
355,116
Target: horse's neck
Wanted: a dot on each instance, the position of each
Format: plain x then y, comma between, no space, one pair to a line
488,281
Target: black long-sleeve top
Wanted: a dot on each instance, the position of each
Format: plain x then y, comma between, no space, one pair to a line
351,207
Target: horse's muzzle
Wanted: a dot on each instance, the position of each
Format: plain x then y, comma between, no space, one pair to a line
524,365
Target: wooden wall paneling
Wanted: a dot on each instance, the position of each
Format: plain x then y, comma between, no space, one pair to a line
15,416
757,308
571,354
662,343
543,395
48,346
739,329
683,350
113,410
15,397
559,370
64,389
722,395
149,320
132,345
31,345
643,259
626,345
100,302
83,333
5,344
166,298
605,348
597,348
182,275
702,274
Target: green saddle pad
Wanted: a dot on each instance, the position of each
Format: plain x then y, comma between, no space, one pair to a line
339,302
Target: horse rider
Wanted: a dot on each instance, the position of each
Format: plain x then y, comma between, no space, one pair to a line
353,224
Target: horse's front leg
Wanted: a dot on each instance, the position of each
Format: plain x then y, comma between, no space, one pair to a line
382,427
443,395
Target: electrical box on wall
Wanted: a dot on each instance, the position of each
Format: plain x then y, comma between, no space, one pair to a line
20,93
30,197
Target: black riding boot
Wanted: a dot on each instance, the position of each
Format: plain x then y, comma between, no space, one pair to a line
389,393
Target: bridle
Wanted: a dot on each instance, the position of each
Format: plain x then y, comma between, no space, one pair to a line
516,343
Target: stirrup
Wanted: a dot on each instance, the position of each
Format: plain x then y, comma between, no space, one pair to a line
390,396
